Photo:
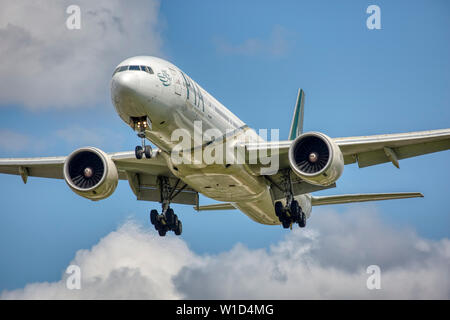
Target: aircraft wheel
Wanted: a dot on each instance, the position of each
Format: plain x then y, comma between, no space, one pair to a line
278,208
162,232
138,152
170,217
179,228
302,221
286,224
153,216
295,210
148,151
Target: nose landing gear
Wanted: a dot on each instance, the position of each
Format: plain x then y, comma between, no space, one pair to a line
146,150
141,124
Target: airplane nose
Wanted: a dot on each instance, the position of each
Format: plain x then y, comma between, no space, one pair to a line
124,84
126,94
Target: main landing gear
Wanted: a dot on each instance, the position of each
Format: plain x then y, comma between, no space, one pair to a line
167,220
292,212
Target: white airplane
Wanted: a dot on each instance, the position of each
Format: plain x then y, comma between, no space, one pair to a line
155,98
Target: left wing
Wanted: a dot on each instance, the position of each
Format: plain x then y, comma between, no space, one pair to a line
372,150
367,150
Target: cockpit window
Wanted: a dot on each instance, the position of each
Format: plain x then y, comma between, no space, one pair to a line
148,69
134,68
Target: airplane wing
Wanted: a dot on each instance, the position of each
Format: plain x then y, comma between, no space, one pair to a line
372,150
366,150
326,200
216,206
363,197
141,174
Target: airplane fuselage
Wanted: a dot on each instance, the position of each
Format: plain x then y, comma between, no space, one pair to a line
174,103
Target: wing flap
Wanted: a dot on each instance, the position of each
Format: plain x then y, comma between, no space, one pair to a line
363,197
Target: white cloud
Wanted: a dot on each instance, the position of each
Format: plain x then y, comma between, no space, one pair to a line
276,44
326,261
44,64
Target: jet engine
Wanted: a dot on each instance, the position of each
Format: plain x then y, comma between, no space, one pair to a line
316,159
91,173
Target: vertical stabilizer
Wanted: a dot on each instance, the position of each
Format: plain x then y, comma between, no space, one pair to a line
297,119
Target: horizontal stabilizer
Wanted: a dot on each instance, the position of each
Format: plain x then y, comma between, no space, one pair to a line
349,198
217,206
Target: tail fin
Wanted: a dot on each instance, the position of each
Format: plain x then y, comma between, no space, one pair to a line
297,119
349,198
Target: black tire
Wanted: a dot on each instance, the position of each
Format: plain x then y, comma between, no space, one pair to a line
278,208
302,222
286,224
175,223
153,216
138,152
148,152
295,210
170,217
162,232
179,228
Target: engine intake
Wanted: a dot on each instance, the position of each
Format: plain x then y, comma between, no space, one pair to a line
315,158
90,173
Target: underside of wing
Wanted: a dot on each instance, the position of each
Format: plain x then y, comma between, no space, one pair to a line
216,207
145,176
365,150
372,150
48,167
350,198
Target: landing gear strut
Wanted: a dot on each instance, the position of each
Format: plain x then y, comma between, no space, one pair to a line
167,220
141,125
291,212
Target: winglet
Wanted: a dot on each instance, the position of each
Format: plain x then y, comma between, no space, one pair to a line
297,119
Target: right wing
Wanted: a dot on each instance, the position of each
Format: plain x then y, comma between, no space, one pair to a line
141,174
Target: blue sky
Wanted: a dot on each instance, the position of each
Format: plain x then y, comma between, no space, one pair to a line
252,56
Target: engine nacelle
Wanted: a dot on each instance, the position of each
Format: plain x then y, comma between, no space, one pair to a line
91,173
315,158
